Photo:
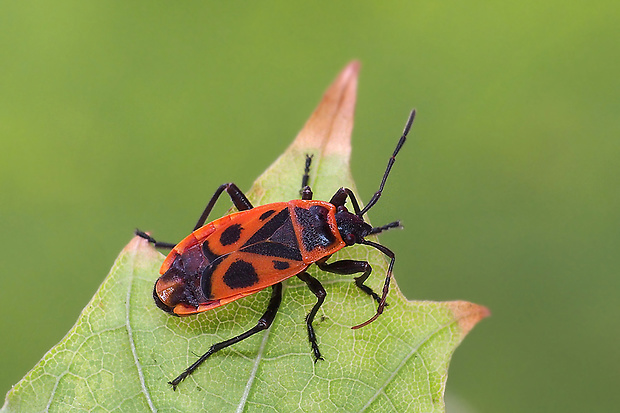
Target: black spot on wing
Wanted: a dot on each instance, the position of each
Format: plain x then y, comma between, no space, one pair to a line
266,214
231,234
240,274
280,265
315,231
274,249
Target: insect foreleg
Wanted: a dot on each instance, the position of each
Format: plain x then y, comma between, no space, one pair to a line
346,267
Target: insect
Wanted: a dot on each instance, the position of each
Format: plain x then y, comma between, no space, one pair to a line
259,247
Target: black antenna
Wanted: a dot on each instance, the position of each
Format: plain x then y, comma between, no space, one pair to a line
400,144
378,230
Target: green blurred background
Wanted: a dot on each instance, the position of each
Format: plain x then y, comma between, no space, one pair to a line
116,115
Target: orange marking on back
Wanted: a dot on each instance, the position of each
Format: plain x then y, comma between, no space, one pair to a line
204,231
266,275
269,270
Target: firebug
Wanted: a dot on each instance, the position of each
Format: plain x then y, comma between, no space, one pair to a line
259,247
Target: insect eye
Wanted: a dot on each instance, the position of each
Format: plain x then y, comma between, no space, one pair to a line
350,239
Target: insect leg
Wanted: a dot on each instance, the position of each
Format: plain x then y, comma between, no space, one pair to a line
238,198
305,191
263,323
386,285
340,198
157,244
306,176
318,290
346,267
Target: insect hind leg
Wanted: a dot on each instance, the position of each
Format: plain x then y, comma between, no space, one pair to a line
157,244
263,323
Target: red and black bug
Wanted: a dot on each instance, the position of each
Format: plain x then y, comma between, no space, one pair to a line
259,247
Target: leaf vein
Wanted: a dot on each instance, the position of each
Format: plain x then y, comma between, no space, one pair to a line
403,362
132,345
257,360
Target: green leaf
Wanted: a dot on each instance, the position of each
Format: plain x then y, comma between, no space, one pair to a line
123,349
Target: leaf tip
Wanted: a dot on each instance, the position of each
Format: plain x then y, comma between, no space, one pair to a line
330,125
141,246
468,314
352,69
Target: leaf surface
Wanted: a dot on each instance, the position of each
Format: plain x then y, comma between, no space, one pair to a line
123,349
